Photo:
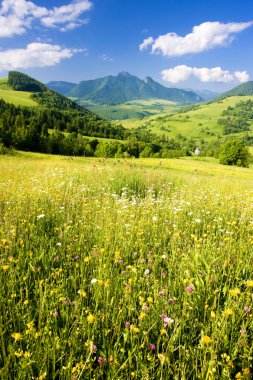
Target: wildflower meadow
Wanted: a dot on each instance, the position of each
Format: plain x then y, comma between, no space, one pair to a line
125,269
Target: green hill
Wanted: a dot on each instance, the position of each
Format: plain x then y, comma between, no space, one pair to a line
126,87
241,90
28,110
200,122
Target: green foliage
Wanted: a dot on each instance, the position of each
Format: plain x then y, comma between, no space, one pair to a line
51,99
234,152
238,118
21,82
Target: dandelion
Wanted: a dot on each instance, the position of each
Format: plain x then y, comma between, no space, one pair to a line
206,339
90,319
5,268
249,283
234,292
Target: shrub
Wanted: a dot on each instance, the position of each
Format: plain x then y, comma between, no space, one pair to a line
234,152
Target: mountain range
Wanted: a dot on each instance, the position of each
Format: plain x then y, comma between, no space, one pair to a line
122,88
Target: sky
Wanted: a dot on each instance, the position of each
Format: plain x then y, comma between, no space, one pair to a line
197,44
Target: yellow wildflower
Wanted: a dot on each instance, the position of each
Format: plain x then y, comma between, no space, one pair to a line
18,354
30,325
5,267
90,318
163,332
234,292
16,336
142,316
27,354
213,315
82,293
26,302
229,312
246,371
162,358
206,339
249,283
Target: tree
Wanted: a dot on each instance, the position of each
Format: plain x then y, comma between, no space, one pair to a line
234,152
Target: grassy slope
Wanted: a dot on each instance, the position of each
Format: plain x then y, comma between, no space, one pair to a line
18,98
135,109
190,124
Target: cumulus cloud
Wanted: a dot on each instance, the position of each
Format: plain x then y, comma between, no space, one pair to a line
203,37
146,43
16,16
216,74
34,55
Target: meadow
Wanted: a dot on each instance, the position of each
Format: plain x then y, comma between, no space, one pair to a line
134,109
125,269
199,122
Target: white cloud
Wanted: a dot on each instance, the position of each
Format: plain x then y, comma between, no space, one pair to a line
34,55
146,43
106,58
203,37
66,13
204,74
16,16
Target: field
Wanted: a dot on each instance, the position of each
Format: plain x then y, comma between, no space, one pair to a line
135,109
18,98
125,269
197,123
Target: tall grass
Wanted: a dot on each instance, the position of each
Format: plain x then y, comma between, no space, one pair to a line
125,269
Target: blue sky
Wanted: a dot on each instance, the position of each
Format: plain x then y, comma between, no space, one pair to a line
201,44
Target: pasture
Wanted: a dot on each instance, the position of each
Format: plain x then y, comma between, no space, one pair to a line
199,122
18,98
125,269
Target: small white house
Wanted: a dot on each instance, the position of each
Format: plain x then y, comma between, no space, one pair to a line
197,151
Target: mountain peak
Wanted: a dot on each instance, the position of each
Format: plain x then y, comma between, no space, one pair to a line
124,74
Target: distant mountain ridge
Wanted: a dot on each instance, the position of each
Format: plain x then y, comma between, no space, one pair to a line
121,89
